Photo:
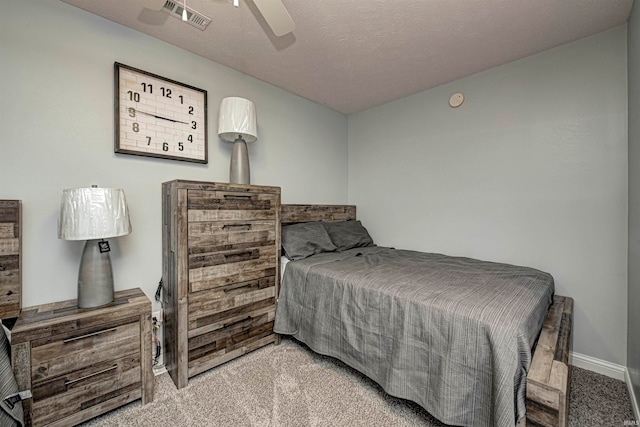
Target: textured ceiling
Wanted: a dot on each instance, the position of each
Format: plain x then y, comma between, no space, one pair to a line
351,55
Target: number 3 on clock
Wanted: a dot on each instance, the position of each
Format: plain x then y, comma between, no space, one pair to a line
159,117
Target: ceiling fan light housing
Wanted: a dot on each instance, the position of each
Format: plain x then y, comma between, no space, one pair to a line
152,4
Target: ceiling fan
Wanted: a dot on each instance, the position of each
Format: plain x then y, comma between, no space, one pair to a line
273,12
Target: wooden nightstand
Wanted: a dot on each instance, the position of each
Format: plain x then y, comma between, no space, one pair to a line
80,363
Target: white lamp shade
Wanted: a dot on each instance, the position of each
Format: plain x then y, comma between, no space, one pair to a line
237,119
93,213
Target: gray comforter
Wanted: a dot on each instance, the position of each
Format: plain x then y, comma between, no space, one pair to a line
452,334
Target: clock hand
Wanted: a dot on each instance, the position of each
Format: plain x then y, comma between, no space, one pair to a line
159,117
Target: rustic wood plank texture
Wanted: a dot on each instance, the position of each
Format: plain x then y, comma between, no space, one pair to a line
548,379
10,258
80,363
146,366
169,271
217,282
98,409
221,246
215,359
21,365
256,310
308,213
68,353
217,236
7,230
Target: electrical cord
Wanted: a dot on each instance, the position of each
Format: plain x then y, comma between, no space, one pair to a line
156,341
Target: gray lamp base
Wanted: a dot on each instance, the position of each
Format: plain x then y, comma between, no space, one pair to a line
239,171
95,278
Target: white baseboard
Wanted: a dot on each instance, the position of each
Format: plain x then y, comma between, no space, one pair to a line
632,395
609,369
599,366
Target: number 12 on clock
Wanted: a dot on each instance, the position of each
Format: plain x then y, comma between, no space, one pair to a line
159,117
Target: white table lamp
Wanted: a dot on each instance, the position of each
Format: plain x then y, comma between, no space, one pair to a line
237,123
94,214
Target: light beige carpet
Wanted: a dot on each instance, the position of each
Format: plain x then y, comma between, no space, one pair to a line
288,385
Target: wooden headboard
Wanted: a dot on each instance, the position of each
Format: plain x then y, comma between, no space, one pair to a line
290,214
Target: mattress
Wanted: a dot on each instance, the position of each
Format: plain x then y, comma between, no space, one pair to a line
452,334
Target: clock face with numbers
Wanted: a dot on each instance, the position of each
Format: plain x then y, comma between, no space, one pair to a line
159,117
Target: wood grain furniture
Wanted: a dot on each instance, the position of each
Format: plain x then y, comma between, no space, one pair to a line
79,363
221,245
10,258
548,379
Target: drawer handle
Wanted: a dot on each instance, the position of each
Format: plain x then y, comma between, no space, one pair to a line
238,255
2,268
69,382
236,227
68,340
238,196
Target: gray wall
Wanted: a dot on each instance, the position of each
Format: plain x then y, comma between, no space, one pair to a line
56,131
530,170
633,343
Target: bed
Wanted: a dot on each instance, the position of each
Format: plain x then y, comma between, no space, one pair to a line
489,341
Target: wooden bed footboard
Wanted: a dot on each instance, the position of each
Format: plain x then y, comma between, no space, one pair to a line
548,380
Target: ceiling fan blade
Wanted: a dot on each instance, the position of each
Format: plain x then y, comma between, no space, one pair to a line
276,15
151,4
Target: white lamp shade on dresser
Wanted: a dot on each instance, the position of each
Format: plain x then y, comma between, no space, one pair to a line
237,119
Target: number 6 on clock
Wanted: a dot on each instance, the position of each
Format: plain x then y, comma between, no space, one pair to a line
158,117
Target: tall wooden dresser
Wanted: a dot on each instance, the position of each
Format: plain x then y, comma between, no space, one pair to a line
221,245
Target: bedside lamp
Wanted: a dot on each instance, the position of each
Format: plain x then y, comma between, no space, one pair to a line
237,123
94,214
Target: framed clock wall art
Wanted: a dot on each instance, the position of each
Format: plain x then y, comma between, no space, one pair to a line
159,117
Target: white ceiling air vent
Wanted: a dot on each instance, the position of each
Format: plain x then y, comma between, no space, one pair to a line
195,19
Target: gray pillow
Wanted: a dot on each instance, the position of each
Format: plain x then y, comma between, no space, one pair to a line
348,234
305,239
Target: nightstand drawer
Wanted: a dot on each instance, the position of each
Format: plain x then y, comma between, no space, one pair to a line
64,354
213,236
84,388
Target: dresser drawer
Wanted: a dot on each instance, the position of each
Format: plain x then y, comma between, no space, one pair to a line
66,354
230,321
233,339
204,205
213,309
212,236
234,335
213,270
